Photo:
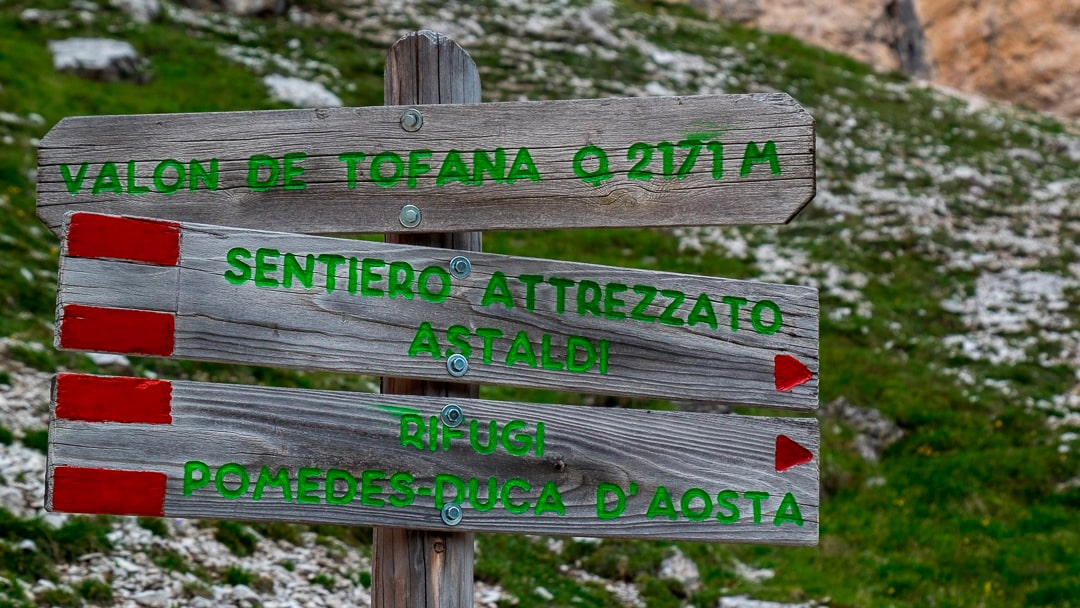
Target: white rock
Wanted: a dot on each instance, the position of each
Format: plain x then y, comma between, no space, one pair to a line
243,592
109,359
300,93
102,58
126,565
751,574
543,594
152,599
655,89
681,568
250,8
141,11
742,601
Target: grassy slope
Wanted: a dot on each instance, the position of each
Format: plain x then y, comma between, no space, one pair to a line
968,514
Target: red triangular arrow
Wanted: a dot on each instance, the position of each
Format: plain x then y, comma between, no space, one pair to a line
789,372
790,454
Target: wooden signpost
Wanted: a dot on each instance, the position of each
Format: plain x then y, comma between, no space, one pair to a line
193,291
714,159
428,464
394,460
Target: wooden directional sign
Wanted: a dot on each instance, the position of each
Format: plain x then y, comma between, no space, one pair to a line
133,446
663,161
203,292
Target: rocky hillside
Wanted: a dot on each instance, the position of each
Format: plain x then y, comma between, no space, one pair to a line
1025,52
945,240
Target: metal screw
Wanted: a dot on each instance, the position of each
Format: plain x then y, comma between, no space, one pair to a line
451,514
452,415
460,267
457,365
410,216
412,120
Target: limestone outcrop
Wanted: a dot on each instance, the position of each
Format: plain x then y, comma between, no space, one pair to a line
1022,51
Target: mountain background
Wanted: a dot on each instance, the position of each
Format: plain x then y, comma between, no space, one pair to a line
945,241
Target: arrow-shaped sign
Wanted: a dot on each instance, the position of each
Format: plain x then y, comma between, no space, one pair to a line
133,446
242,296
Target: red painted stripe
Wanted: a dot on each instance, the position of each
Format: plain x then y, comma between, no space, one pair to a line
107,491
91,235
117,330
113,399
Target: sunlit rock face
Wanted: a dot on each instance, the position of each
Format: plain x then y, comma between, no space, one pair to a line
1023,51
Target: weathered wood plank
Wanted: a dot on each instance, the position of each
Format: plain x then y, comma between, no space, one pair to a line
581,471
140,286
760,168
579,326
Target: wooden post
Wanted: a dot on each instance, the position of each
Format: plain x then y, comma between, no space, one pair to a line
419,568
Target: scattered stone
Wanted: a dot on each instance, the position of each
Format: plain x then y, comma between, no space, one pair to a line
875,431
300,93
243,592
39,16
742,601
140,11
751,574
152,599
680,568
99,59
109,360
255,8
543,594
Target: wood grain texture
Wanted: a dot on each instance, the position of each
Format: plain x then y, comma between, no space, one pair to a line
348,332
553,131
583,447
426,568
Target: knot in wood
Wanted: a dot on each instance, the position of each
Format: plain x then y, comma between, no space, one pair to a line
556,462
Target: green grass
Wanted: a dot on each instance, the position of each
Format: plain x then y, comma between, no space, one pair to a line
236,537
76,537
95,591
37,439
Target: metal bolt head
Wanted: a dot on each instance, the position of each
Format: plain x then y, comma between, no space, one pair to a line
460,267
410,216
451,514
452,415
412,120
457,365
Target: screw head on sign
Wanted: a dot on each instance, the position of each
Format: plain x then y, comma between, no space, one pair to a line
451,514
412,120
410,216
460,267
452,415
457,365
